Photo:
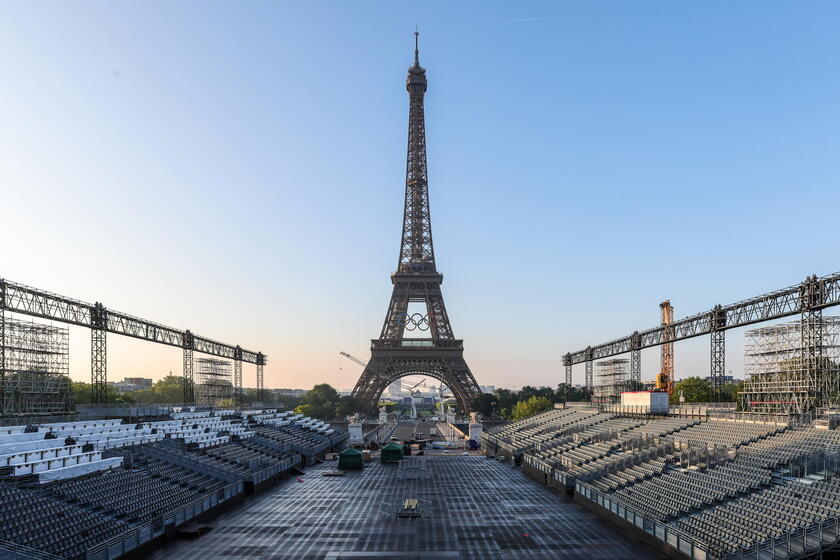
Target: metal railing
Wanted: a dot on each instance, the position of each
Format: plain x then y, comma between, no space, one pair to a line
691,547
13,551
805,540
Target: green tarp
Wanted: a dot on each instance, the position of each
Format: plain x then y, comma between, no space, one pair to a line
350,459
392,453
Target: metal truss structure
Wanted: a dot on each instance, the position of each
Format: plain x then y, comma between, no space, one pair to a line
807,299
416,281
614,377
214,382
33,302
793,367
35,375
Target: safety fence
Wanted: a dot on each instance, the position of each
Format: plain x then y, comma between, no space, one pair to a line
14,551
808,540
691,547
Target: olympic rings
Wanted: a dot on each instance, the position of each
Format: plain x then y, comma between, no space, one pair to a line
415,321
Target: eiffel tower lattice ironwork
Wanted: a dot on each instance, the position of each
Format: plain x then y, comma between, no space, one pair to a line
416,280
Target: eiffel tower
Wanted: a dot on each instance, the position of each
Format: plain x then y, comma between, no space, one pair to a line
416,280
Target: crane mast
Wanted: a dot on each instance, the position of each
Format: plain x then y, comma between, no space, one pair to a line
665,379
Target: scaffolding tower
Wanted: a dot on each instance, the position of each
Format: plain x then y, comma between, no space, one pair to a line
780,376
613,379
35,368
214,381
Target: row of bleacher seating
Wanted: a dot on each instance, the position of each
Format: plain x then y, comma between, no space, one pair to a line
789,445
43,523
729,434
729,484
172,464
129,495
770,513
677,492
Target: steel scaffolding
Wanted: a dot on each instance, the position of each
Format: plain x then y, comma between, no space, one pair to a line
214,381
614,377
34,378
782,374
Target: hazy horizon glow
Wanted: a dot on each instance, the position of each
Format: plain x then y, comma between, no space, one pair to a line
239,171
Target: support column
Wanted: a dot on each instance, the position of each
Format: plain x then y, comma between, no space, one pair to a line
718,364
588,377
98,353
567,362
3,405
188,379
636,360
811,336
237,376
717,369
260,380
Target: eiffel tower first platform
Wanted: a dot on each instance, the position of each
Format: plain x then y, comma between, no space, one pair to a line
416,281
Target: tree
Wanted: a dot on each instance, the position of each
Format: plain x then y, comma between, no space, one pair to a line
533,405
694,389
320,402
506,399
485,404
347,405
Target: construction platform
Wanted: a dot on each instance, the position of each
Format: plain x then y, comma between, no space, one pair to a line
468,507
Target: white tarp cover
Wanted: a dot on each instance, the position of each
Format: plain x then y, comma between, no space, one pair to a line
80,469
20,437
59,463
20,447
31,456
57,426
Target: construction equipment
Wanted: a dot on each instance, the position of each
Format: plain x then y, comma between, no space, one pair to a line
665,378
354,358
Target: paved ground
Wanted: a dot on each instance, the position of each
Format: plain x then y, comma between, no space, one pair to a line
473,508
406,430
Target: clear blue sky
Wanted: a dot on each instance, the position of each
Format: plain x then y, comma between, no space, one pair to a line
238,169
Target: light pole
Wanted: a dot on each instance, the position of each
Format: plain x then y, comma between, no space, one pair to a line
493,413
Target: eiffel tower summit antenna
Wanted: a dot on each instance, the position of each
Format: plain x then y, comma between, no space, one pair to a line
416,281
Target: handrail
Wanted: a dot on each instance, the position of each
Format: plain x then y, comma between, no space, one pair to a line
28,551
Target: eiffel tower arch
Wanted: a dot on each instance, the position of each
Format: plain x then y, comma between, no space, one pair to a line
439,355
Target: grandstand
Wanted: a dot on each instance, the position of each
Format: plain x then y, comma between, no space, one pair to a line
102,488
697,488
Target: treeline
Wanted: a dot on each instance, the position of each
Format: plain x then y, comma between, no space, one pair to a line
514,405
170,389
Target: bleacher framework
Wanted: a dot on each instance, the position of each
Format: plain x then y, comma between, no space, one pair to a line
782,377
214,381
34,372
612,379
709,488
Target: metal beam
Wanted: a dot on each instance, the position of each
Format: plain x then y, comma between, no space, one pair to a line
98,353
237,376
2,351
718,363
635,360
768,307
588,381
260,380
189,378
45,305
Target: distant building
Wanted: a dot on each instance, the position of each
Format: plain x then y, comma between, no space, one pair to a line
727,379
487,388
290,392
131,384
141,381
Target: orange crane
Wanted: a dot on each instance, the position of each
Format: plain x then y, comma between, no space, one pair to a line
665,379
